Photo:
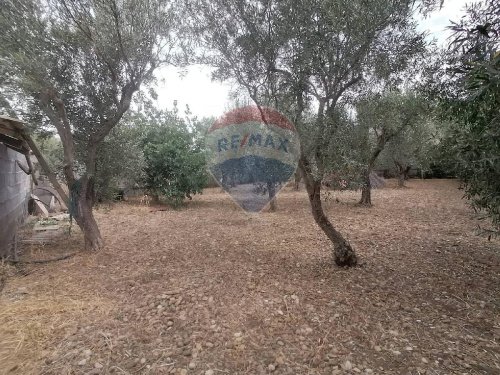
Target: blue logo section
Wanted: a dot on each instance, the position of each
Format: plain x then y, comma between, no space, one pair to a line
253,152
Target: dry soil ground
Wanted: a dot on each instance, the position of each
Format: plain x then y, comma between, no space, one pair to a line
210,289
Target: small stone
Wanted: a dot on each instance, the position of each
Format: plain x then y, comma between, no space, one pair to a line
347,365
97,365
409,348
192,365
280,343
143,361
209,372
424,360
83,362
396,352
377,348
87,353
183,371
271,367
368,371
237,334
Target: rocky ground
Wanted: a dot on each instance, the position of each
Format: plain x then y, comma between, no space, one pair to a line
209,289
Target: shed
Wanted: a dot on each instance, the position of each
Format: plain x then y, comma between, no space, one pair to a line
15,183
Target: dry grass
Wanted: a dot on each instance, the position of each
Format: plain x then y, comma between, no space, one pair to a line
28,325
35,307
234,292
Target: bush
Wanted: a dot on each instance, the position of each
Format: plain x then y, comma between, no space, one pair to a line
175,165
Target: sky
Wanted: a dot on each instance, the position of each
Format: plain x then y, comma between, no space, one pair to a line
193,86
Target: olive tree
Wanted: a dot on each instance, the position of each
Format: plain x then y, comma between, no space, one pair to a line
411,148
80,62
469,91
384,119
304,58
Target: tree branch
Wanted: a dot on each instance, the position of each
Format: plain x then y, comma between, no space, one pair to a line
336,96
63,127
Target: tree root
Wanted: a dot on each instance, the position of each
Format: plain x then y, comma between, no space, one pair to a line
344,255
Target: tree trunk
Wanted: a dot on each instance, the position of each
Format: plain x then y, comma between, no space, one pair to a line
271,189
298,177
406,174
344,255
402,173
82,195
401,180
366,191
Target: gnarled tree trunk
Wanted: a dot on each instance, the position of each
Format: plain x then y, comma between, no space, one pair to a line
366,191
344,255
82,195
402,173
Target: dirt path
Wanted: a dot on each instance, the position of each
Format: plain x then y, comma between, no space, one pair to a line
212,290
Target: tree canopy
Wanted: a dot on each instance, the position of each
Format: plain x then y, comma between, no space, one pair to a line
468,87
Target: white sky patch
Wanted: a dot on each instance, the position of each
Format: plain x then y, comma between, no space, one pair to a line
193,85
436,23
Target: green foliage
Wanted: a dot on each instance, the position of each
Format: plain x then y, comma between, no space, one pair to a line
340,158
52,149
120,162
307,58
91,55
393,118
175,165
412,147
470,101
380,130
